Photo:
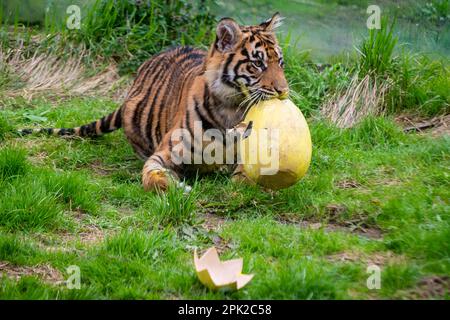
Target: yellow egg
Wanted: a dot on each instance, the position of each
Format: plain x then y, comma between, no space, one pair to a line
277,153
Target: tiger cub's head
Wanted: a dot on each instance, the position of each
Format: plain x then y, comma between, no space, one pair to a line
246,63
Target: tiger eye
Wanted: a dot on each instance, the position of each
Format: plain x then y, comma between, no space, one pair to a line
258,63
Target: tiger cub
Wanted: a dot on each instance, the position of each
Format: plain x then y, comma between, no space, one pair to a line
183,86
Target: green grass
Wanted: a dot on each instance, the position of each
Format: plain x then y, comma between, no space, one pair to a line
69,186
27,206
174,207
372,193
377,49
13,163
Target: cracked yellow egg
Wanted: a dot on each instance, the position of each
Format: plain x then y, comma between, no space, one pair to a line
277,152
220,275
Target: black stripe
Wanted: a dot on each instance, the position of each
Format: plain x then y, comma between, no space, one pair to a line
207,107
164,100
48,131
118,120
158,159
225,76
83,130
149,129
146,68
170,144
206,124
157,67
244,52
162,67
236,71
188,126
154,63
26,131
88,129
66,132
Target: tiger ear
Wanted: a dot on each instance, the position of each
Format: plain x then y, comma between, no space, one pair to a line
228,34
272,23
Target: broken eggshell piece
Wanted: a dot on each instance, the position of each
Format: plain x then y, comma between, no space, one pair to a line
220,275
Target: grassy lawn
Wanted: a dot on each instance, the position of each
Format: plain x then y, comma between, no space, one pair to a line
372,196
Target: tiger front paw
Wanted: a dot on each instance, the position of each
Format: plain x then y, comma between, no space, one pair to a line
156,180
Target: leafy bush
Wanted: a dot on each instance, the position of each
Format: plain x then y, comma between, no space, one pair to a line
377,50
131,31
421,85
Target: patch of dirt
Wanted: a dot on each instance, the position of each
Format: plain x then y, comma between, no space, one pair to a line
65,242
334,210
212,222
437,126
38,158
90,234
388,182
45,272
348,184
367,232
364,231
221,244
431,287
98,168
356,224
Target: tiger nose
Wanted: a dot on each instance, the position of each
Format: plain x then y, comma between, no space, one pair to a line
281,88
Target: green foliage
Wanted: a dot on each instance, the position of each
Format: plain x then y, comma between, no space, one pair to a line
420,85
73,188
377,50
25,205
13,248
415,82
175,207
132,244
436,12
373,132
397,277
131,31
